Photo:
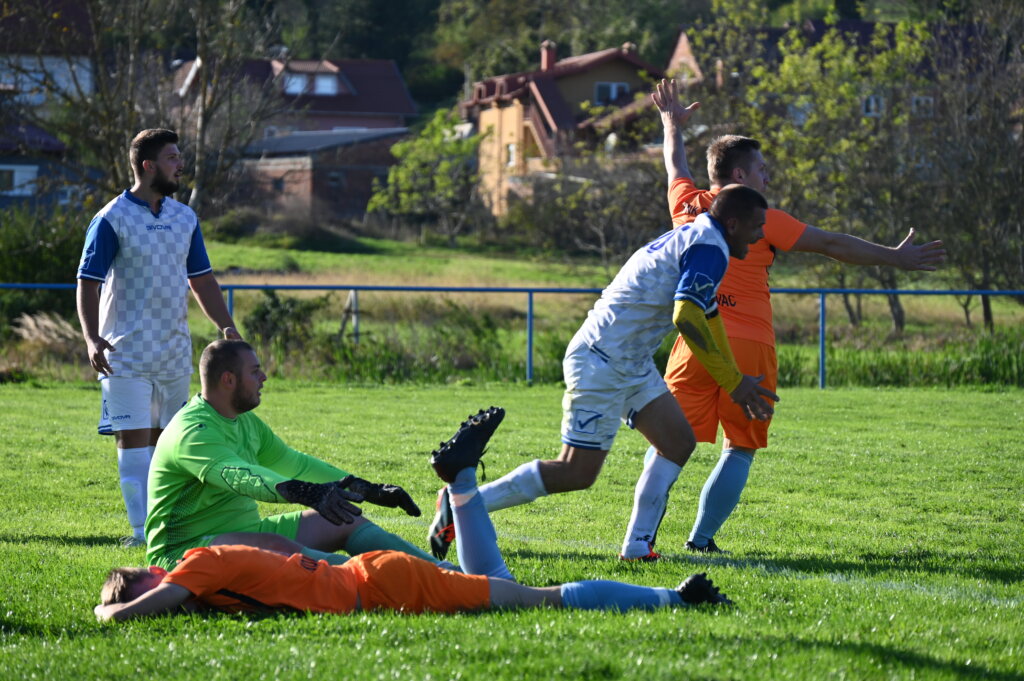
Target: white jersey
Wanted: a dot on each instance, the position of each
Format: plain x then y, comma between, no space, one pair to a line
634,314
144,261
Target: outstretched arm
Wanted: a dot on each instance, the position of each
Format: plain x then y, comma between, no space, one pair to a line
163,599
673,117
855,251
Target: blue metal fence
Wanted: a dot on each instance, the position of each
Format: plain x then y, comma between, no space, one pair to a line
532,291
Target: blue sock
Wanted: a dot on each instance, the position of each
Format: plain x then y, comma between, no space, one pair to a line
475,538
606,595
720,495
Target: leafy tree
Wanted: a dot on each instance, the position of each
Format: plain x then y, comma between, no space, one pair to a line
434,180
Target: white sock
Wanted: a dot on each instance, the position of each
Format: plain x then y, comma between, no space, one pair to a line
521,486
133,468
649,501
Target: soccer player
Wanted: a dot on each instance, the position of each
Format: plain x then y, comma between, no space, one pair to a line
610,373
745,304
216,459
246,579
140,250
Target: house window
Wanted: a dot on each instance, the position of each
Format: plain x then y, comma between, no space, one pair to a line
336,179
874,106
294,83
18,180
510,154
606,93
277,184
325,85
922,107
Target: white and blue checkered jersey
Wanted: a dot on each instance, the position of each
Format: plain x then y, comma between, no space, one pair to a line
144,261
634,314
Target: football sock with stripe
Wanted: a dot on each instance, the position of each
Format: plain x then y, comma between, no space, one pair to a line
476,540
721,493
607,595
370,537
133,469
521,486
649,501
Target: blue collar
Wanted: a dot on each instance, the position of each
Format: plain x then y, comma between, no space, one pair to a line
716,224
145,204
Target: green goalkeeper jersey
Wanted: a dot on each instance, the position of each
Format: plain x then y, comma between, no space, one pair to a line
209,471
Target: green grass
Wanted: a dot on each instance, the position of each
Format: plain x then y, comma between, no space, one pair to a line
879,538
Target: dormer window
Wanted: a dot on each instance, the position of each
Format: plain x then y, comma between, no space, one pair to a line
873,106
606,93
325,84
294,83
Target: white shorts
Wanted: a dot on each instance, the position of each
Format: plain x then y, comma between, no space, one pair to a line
136,403
598,395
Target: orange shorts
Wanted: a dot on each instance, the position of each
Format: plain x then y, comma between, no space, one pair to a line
390,580
706,404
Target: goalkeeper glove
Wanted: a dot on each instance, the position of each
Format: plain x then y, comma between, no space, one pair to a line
390,496
328,499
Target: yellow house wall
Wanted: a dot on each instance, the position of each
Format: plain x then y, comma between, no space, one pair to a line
503,126
579,88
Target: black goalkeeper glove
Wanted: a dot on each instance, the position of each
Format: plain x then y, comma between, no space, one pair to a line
328,499
391,496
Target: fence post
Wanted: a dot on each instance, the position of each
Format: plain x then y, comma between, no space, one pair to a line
529,338
821,340
231,300
354,295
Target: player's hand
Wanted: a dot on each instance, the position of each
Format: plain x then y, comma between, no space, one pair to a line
95,348
231,333
666,98
389,496
326,498
924,257
749,395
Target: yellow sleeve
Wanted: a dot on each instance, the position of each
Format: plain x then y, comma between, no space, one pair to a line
707,339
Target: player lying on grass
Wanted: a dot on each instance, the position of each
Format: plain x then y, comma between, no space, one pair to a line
745,304
245,578
216,459
610,374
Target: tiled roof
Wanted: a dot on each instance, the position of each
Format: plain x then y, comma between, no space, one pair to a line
319,140
29,139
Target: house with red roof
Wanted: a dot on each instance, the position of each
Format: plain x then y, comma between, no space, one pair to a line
533,118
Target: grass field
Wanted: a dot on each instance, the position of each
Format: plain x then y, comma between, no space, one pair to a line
879,538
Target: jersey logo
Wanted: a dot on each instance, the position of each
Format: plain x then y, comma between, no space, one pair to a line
158,228
701,282
585,421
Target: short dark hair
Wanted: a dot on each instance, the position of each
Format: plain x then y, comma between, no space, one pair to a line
728,152
736,201
118,582
147,145
220,356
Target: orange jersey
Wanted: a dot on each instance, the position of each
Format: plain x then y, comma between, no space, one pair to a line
244,578
743,297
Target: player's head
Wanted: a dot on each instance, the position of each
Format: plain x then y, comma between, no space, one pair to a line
230,368
125,584
156,160
734,159
741,211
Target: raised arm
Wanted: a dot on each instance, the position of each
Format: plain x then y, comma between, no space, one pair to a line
673,117
163,599
856,251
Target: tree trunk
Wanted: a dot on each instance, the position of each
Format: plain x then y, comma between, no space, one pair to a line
986,313
899,317
850,311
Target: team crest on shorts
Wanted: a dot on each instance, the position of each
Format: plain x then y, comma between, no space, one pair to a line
585,421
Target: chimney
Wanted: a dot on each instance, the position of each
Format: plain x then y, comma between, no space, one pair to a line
547,55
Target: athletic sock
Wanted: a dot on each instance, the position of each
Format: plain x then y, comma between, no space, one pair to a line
475,538
331,558
607,595
521,486
649,501
720,495
370,537
133,469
